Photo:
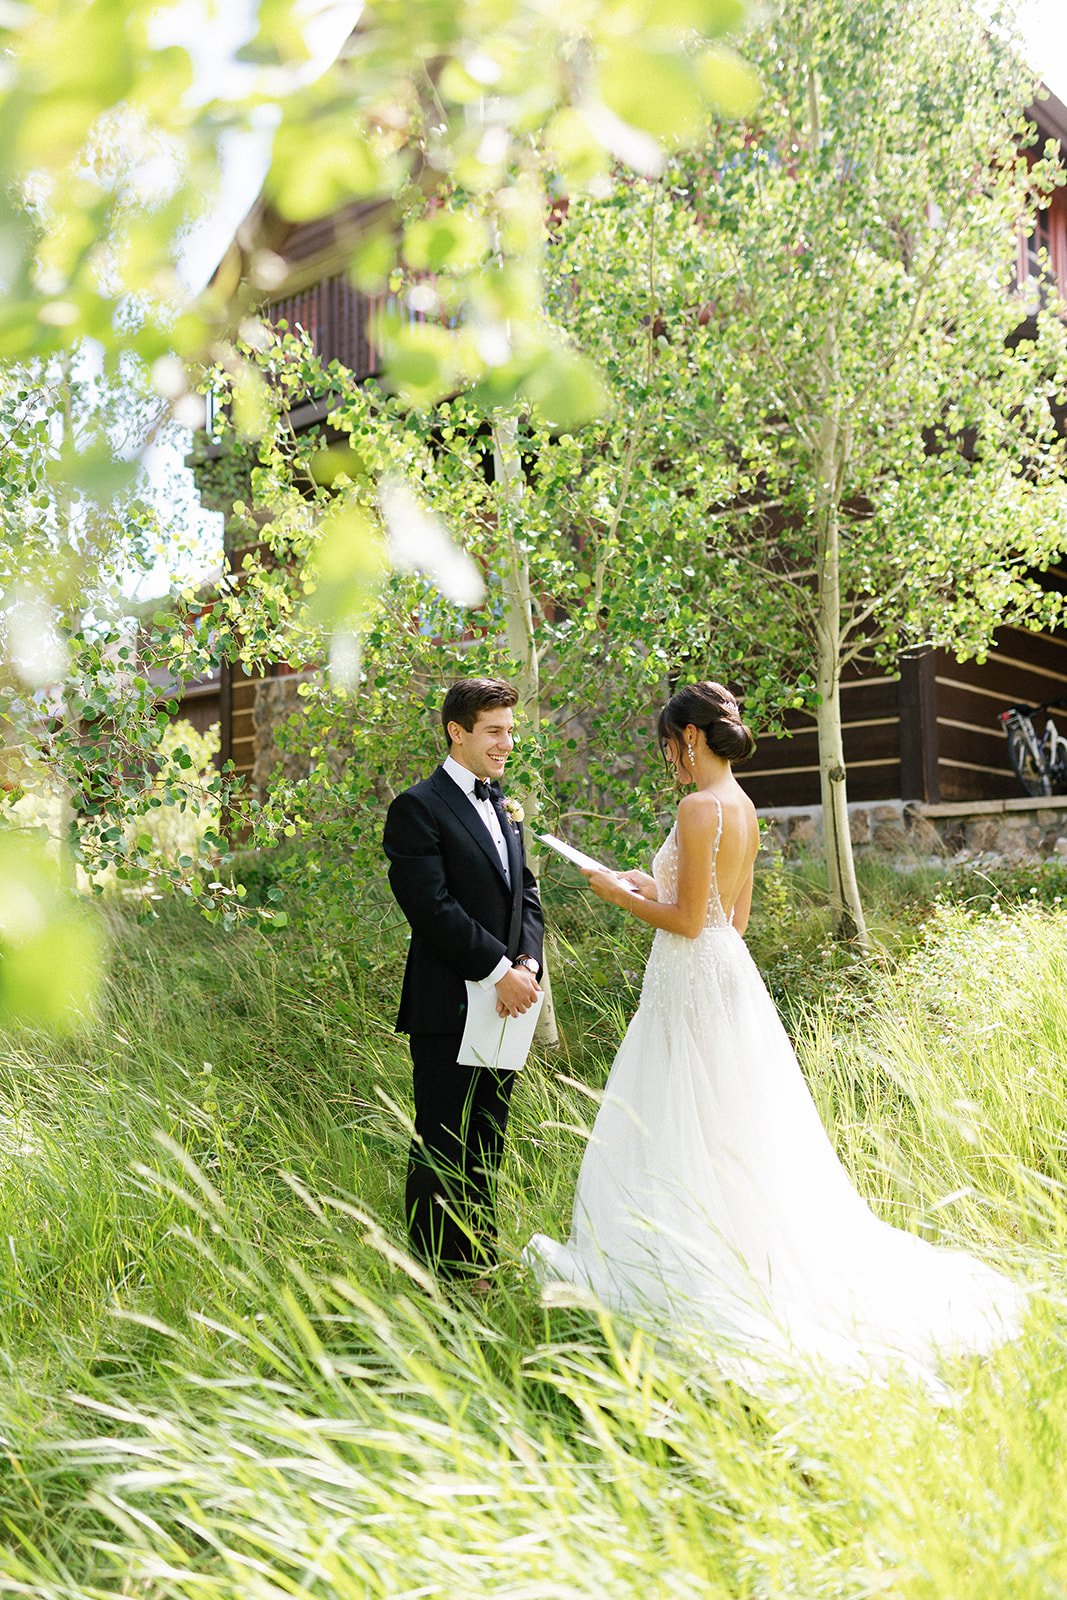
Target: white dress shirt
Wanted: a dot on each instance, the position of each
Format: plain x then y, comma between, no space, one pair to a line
463,778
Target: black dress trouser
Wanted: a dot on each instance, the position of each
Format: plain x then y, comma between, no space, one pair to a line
461,1115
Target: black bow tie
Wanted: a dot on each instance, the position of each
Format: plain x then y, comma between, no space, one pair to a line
481,789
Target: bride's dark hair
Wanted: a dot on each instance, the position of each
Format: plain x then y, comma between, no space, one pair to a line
713,709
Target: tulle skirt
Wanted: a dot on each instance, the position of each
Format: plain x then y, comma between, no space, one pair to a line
711,1201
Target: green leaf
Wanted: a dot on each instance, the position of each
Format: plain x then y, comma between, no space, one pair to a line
705,17
731,86
335,461
577,151
320,166
652,90
372,262
49,947
251,403
452,241
422,363
95,472
346,568
456,86
566,389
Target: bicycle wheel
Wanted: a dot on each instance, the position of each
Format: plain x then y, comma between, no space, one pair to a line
1025,757
1058,774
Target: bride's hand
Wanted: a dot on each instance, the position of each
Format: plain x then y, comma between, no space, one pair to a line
643,882
607,886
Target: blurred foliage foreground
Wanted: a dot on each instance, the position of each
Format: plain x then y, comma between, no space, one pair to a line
224,1379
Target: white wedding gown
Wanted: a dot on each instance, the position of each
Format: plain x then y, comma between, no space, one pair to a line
711,1200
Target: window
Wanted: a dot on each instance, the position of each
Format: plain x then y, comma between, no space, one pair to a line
1038,257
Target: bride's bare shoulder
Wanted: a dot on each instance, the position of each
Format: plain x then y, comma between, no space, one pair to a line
699,812
708,802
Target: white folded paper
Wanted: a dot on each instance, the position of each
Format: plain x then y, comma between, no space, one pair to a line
493,1041
579,857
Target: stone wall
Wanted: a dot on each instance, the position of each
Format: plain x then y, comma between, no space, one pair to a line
990,831
276,700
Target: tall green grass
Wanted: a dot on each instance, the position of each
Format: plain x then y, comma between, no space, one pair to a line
222,1376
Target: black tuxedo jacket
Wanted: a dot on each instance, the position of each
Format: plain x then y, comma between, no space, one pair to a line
446,875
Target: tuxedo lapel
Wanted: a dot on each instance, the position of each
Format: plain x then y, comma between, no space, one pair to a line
458,803
511,839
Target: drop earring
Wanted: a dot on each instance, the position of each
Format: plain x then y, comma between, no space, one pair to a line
692,761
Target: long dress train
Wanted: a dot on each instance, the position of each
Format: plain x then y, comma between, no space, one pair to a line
711,1198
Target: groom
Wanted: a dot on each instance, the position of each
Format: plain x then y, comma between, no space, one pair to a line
458,870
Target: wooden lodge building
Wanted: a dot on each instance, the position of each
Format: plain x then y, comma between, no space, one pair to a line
928,733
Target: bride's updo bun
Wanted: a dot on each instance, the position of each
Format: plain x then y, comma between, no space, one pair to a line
714,710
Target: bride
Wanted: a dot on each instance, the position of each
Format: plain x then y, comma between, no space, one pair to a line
709,1196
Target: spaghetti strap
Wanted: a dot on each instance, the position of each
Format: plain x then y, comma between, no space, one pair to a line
717,914
718,831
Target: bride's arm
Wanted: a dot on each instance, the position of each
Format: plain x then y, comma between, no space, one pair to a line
688,913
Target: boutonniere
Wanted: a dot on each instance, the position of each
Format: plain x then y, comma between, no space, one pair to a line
515,813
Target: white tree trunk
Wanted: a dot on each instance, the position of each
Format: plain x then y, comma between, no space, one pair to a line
846,908
515,577
832,451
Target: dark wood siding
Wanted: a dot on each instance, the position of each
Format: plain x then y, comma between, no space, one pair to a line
917,700
340,322
931,732
238,736
785,772
1027,669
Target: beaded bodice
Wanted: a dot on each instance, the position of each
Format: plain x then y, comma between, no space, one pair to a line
686,979
665,872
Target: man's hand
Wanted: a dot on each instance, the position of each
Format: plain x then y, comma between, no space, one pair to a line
516,992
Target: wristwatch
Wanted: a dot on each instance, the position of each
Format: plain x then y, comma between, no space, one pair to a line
528,962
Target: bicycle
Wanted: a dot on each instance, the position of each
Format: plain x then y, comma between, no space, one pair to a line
1039,760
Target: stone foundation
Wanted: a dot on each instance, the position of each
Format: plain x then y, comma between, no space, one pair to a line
276,700
993,831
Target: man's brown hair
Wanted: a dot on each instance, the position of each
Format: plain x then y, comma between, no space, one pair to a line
467,697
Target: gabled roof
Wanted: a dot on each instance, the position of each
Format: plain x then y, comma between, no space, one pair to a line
276,258
1050,114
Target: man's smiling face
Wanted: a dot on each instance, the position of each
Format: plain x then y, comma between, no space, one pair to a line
484,749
